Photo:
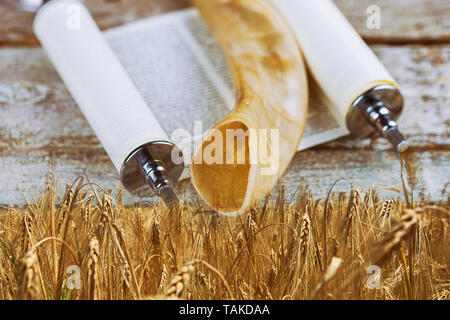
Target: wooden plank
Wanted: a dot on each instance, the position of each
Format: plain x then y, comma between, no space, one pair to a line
402,21
16,25
39,113
40,122
23,173
366,169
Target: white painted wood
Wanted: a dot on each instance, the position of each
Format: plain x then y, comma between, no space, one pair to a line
402,21
40,121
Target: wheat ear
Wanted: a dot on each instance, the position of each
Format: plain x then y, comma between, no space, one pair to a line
93,269
28,278
179,283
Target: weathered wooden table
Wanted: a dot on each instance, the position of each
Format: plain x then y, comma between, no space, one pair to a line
40,123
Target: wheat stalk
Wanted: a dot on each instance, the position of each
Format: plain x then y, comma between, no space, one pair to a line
282,261
387,209
27,232
163,279
352,211
179,283
304,234
93,269
28,278
128,270
156,234
65,208
399,232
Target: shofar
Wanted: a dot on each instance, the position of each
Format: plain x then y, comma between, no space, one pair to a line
271,97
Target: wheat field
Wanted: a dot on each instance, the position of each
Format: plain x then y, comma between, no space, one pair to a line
347,245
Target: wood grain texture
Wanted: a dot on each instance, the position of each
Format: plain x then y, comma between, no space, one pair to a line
39,112
40,123
23,174
402,21
16,25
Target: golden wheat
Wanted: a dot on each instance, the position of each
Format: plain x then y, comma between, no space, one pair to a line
28,278
178,284
307,248
93,269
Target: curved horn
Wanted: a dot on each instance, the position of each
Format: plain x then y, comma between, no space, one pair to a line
242,157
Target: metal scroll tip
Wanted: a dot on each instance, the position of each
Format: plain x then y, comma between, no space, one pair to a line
156,176
397,139
168,195
379,116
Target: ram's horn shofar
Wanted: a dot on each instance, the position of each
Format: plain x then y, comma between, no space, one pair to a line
271,94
